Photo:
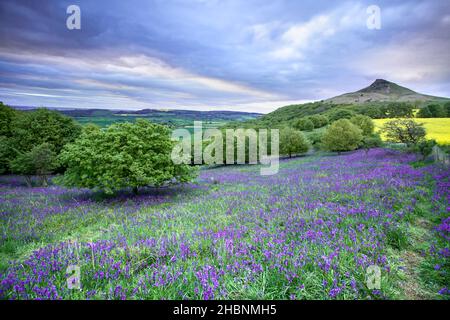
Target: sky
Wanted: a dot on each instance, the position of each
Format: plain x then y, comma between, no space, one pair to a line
246,55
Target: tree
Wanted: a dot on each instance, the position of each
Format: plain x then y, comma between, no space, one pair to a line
304,124
319,120
399,110
437,110
404,131
7,115
6,154
364,123
33,128
342,135
121,156
424,113
293,142
338,114
40,161
447,107
425,147
370,142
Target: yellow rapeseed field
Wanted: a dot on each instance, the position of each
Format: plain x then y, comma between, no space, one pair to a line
437,128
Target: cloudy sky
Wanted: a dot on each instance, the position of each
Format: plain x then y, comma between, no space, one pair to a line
250,55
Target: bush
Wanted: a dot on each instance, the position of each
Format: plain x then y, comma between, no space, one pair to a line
338,114
424,113
292,142
315,137
40,161
405,131
342,135
425,148
319,120
304,124
33,128
437,110
124,155
370,142
364,123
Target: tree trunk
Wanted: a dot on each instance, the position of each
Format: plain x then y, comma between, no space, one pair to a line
28,181
44,181
135,190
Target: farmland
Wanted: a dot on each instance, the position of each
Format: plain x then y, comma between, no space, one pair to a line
309,232
437,128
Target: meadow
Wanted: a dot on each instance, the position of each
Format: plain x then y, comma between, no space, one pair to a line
308,232
437,128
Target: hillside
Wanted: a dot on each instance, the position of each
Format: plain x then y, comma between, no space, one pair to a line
380,94
382,91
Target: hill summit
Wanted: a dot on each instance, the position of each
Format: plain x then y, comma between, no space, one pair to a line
382,90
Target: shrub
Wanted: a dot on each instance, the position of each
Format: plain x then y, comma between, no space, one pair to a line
342,135
304,124
372,141
424,113
425,148
364,123
124,155
292,142
319,120
40,161
437,110
338,114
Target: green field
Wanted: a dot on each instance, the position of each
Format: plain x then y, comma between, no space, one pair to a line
437,128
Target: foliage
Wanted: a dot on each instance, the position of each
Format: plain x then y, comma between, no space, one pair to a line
364,123
6,154
40,161
404,131
319,120
122,155
292,142
371,141
304,124
424,113
342,135
340,113
7,115
425,148
436,128
33,128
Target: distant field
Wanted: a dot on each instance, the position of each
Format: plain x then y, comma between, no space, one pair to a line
437,128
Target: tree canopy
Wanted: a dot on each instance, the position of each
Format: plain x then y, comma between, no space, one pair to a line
121,156
342,135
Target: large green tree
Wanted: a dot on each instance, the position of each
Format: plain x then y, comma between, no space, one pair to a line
342,135
293,142
33,128
121,156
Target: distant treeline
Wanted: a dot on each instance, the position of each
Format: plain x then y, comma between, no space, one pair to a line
289,115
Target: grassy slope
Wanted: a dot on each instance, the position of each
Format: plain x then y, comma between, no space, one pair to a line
224,205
